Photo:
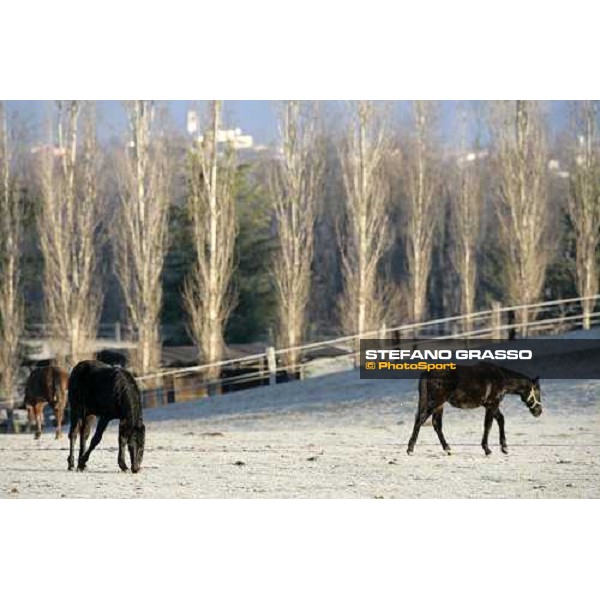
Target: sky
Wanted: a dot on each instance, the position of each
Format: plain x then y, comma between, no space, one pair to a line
254,117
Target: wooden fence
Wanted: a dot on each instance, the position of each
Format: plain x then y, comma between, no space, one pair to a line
267,368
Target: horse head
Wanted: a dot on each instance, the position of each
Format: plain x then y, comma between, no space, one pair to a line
136,442
532,397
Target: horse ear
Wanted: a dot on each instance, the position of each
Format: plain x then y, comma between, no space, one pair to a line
536,379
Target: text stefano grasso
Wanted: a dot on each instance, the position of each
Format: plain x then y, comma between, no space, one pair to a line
437,354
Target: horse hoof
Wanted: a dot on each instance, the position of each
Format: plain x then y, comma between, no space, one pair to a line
71,467
409,452
81,468
37,436
487,451
505,449
448,452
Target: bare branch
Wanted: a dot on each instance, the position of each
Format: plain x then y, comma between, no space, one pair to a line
420,178
295,184
522,198
211,201
11,306
584,200
465,215
69,214
140,245
366,234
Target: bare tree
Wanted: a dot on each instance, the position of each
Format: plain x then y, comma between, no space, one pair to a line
11,306
584,202
295,187
522,199
67,224
141,240
420,175
207,293
365,236
465,216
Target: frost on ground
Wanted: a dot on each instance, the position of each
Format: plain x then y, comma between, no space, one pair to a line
334,436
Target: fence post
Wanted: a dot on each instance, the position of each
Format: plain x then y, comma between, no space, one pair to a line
497,333
272,364
170,388
117,331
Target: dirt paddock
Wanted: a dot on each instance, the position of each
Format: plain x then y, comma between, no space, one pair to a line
330,437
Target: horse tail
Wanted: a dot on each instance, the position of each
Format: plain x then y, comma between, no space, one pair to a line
55,391
75,387
59,387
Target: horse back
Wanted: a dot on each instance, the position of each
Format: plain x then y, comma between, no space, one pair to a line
477,385
102,390
434,386
45,384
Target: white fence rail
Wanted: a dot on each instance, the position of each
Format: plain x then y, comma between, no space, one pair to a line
542,318
268,367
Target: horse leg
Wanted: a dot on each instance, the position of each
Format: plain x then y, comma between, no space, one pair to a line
487,425
437,425
123,439
30,418
100,427
84,434
73,429
59,419
39,416
500,420
422,416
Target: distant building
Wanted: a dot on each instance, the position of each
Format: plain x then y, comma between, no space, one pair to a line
472,157
56,151
192,122
554,167
235,137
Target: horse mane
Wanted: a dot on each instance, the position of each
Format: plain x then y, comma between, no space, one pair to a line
126,388
514,374
505,372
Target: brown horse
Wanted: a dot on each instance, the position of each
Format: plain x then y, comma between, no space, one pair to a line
485,385
46,385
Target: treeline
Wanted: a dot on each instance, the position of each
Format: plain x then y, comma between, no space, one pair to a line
335,229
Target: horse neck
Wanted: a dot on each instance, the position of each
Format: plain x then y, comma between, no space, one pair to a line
516,383
134,415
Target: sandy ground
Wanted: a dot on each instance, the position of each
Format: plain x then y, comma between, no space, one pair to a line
330,437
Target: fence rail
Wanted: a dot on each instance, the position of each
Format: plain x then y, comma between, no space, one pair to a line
268,367
542,318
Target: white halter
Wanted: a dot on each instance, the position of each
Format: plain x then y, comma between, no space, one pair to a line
532,398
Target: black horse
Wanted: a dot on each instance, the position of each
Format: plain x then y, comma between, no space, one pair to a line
100,390
484,384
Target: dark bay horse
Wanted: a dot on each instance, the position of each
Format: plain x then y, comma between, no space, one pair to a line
100,390
485,385
46,385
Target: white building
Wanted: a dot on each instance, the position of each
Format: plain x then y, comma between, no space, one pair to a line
235,137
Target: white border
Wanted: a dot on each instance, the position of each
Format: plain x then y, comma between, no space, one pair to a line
323,50
318,49
299,549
